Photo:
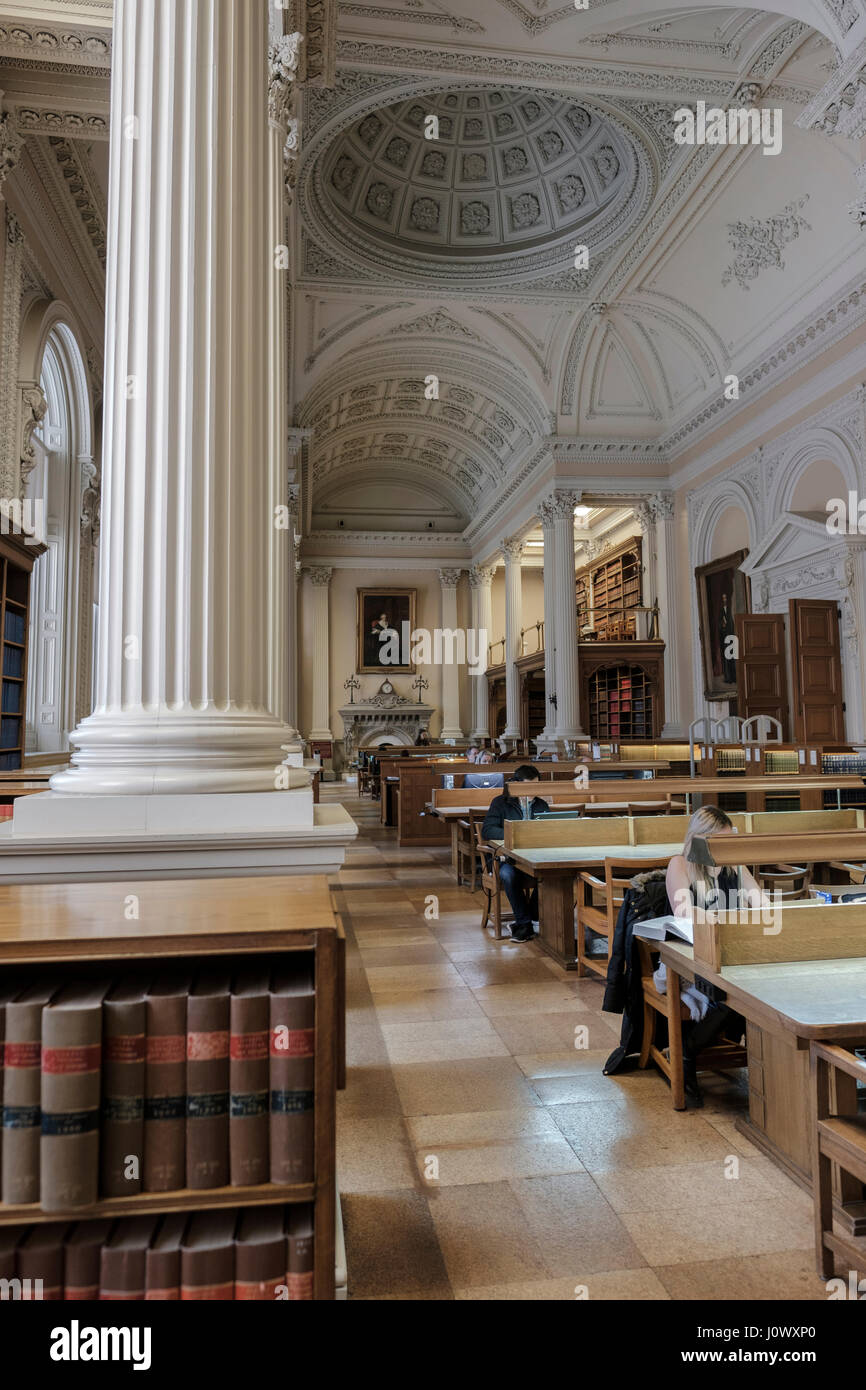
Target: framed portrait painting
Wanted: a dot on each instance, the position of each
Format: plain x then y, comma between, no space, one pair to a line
382,635
723,592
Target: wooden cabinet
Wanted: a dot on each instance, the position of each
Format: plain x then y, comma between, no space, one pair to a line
622,689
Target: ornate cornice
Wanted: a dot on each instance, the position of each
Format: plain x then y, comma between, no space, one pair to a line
80,181
284,59
840,106
72,125
49,44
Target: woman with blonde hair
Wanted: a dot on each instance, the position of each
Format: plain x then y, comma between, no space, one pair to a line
695,884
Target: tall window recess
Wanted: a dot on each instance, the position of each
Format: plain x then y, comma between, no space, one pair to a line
16,565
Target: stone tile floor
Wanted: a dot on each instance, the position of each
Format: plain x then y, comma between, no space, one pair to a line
481,1156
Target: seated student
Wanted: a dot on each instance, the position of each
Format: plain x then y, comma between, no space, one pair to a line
484,756
423,739
472,752
520,889
693,886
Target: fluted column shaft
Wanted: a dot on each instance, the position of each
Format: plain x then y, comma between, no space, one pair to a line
549,731
512,550
320,579
557,514
668,595
182,701
481,582
449,580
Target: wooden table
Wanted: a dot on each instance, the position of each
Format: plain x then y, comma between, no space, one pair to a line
786,1005
554,870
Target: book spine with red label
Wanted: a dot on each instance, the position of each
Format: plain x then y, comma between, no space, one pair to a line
248,1077
22,1089
123,1063
292,1079
39,1263
122,1268
71,1070
208,1258
261,1256
207,1084
7,995
162,1267
82,1254
165,1087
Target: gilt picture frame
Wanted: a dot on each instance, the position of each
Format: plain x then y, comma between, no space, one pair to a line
382,614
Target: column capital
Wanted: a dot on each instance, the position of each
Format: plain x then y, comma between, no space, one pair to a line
662,506
511,550
481,576
11,145
450,578
297,438
558,505
320,575
284,60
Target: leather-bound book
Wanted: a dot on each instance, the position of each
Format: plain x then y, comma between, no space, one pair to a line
292,1074
207,1257
81,1260
71,1071
40,1258
165,1084
22,1089
162,1267
207,1081
124,1024
299,1229
261,1255
9,990
249,1072
122,1266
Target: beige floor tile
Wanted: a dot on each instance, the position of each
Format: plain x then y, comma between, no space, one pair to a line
484,1236
448,1040
607,1135
370,1090
507,970
405,1006
453,1165
372,957
369,938
480,1127
789,1276
574,1226
373,1155
383,979
506,1000
391,1246
628,1285
688,1187
669,1235
449,1088
551,1032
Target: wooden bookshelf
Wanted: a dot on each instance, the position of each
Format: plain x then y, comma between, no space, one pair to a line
608,593
16,566
80,927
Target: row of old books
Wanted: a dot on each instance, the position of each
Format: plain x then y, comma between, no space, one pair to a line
183,1080
257,1253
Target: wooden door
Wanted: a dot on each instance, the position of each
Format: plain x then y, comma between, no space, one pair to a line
762,674
816,664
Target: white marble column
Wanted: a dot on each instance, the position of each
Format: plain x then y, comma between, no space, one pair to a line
182,685
283,58
512,550
292,614
667,591
320,579
557,512
480,583
547,741
451,730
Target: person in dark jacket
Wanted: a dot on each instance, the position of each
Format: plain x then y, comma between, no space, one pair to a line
520,889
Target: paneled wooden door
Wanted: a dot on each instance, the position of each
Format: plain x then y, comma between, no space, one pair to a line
816,664
762,670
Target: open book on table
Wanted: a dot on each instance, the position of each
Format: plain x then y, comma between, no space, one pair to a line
657,928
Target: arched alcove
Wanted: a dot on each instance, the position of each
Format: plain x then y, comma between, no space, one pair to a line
61,481
731,533
820,481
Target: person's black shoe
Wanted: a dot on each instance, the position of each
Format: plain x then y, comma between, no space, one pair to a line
693,1091
522,933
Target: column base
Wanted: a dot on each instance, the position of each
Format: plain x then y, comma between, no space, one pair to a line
451,736
675,731
61,839
320,736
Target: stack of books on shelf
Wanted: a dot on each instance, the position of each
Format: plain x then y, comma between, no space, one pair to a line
258,1253
844,762
730,760
182,1080
782,764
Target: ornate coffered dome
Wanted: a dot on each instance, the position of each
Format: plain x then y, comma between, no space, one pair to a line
515,179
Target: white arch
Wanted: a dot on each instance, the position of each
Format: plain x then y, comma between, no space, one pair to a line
821,442
731,493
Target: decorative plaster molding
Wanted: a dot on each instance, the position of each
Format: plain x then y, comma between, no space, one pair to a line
320,576
10,466
840,106
11,145
84,191
70,124
481,576
758,243
557,506
450,578
50,44
414,16
284,59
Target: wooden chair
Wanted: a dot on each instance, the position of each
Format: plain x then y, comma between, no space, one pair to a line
787,882
469,860
837,1139
856,872
490,883
598,902
723,1056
